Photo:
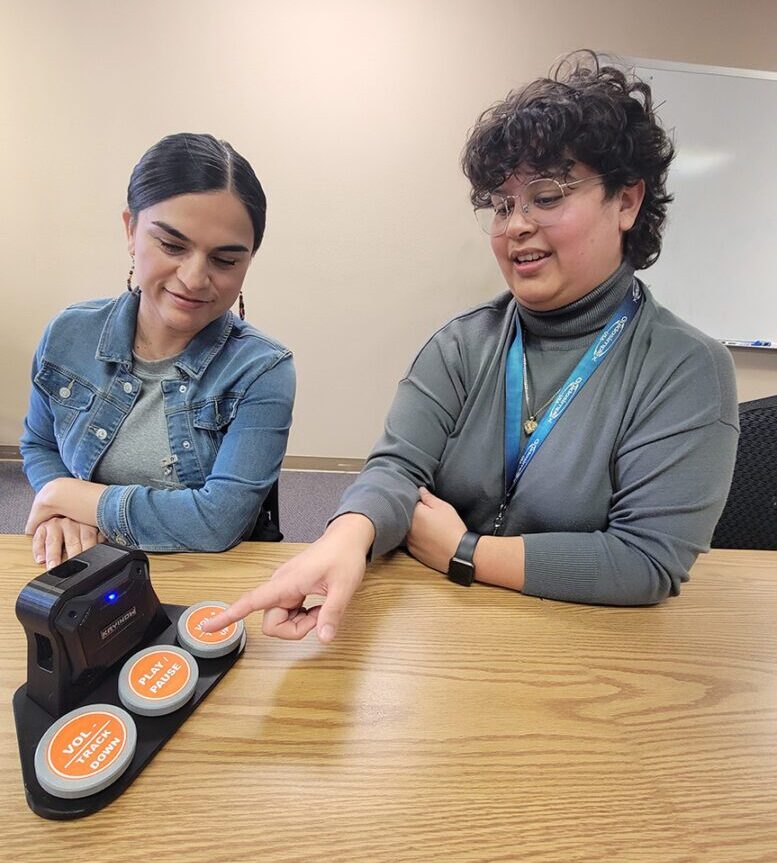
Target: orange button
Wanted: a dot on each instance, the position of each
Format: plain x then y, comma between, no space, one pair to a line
86,745
194,625
159,674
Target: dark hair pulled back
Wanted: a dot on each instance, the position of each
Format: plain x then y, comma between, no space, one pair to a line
187,162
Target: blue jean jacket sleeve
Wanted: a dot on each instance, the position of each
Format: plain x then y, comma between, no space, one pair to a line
38,444
217,515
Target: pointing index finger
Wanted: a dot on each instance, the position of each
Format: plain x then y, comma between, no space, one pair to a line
265,596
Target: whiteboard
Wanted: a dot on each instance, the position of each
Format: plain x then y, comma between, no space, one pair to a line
718,266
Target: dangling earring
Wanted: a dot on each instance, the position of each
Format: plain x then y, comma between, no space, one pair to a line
131,274
241,306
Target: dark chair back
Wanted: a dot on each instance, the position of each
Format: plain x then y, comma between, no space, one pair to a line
267,528
749,519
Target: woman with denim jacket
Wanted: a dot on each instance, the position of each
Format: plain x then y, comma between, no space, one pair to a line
158,419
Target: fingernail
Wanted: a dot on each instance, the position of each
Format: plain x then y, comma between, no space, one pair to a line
327,632
38,560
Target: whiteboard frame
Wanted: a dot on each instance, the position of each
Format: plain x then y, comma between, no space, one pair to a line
695,68
632,63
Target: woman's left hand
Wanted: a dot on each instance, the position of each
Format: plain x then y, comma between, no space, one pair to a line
42,507
435,533
67,497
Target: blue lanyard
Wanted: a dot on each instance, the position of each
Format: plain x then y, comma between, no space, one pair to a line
517,462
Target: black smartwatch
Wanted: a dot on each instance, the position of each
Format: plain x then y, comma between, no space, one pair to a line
461,568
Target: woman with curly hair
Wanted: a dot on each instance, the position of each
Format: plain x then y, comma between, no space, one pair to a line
570,439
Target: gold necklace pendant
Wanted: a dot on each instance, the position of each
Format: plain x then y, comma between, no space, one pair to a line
530,426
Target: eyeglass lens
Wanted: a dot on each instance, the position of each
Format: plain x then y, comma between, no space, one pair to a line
541,201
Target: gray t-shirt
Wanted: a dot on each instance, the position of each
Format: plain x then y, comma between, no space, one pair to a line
140,452
626,490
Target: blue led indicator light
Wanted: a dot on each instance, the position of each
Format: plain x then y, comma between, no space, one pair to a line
111,597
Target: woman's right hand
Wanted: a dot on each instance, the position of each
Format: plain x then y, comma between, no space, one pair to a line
58,539
333,566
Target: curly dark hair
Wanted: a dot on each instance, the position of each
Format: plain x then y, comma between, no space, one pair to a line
583,112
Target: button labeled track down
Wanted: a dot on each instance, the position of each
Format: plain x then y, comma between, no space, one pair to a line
85,751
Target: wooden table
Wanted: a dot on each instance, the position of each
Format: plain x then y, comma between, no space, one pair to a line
448,724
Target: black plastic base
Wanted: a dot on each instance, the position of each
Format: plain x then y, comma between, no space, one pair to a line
33,721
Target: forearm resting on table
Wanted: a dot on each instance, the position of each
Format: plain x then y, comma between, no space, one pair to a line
499,560
353,529
73,498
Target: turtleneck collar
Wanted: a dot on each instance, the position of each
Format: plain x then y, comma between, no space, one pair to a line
582,317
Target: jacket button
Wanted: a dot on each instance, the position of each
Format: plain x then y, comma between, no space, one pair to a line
186,444
182,388
64,392
127,387
120,539
101,434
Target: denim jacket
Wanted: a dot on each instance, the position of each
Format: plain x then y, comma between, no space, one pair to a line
228,418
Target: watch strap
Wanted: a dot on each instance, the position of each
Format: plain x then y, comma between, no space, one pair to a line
461,568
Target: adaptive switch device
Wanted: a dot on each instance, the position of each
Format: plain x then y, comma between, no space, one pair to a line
82,617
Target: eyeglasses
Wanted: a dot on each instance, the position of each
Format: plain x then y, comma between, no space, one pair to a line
542,202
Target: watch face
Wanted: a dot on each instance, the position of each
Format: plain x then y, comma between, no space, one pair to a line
461,571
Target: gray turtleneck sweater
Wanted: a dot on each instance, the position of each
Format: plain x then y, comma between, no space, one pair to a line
626,490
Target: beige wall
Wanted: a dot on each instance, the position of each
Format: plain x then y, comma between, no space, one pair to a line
353,114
